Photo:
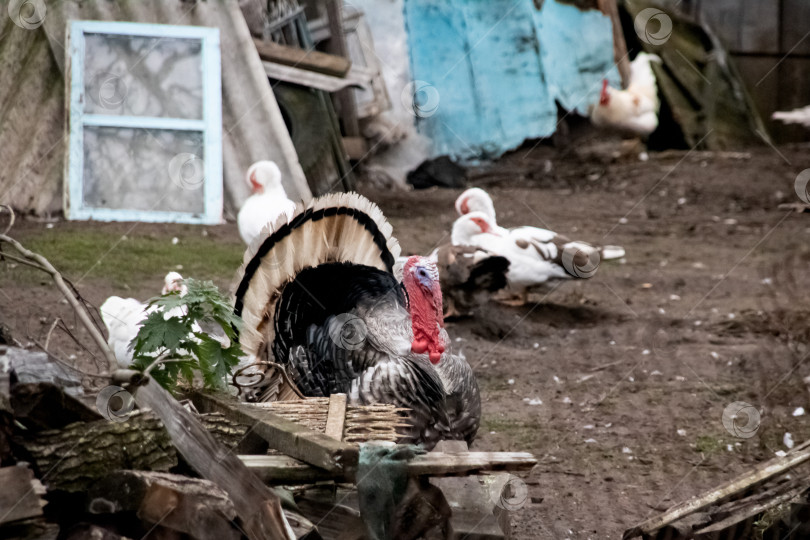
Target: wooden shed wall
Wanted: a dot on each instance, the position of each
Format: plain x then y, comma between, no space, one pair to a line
770,43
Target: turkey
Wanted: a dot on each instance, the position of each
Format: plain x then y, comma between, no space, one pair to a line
319,300
123,317
268,202
633,110
535,259
476,199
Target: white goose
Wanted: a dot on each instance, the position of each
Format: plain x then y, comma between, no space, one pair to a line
532,263
268,202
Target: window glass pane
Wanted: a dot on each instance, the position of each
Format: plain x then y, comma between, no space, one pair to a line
143,76
143,169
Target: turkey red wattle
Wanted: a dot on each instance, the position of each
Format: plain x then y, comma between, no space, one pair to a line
421,280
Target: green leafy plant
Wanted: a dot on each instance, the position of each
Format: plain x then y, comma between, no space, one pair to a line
171,344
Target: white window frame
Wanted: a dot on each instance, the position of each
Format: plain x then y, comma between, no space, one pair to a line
210,125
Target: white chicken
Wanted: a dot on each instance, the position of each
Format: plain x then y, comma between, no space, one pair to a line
268,202
123,317
635,109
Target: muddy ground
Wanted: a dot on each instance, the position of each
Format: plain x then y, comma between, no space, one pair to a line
618,383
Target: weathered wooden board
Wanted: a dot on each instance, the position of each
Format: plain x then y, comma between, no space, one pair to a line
328,64
358,78
283,469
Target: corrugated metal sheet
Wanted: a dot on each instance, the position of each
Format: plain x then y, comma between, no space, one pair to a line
32,99
495,69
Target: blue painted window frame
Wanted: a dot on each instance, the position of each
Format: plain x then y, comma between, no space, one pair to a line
210,125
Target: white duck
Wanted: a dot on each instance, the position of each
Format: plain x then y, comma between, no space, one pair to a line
477,200
532,263
268,202
123,317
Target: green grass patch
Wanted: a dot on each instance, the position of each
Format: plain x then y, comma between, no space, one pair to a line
127,261
709,445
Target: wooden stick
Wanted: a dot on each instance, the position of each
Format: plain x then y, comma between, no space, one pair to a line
763,472
336,416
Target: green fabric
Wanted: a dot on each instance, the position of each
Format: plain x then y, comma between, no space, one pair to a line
382,479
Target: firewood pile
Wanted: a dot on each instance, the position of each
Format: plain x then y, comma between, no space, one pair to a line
132,461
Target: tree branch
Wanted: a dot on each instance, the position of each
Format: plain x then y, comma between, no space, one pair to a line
33,259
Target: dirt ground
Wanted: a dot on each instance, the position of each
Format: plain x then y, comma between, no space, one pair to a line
618,383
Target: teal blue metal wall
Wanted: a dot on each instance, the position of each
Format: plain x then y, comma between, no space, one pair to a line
494,68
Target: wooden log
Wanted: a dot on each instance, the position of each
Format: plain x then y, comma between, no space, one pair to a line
287,470
258,507
336,416
328,64
19,496
73,458
287,437
188,505
757,475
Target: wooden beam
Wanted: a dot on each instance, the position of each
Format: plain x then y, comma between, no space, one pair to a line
283,469
327,64
336,416
287,437
258,507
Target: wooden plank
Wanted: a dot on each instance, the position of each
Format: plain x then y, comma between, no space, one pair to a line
257,506
357,78
328,64
18,498
758,474
287,437
336,416
284,469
